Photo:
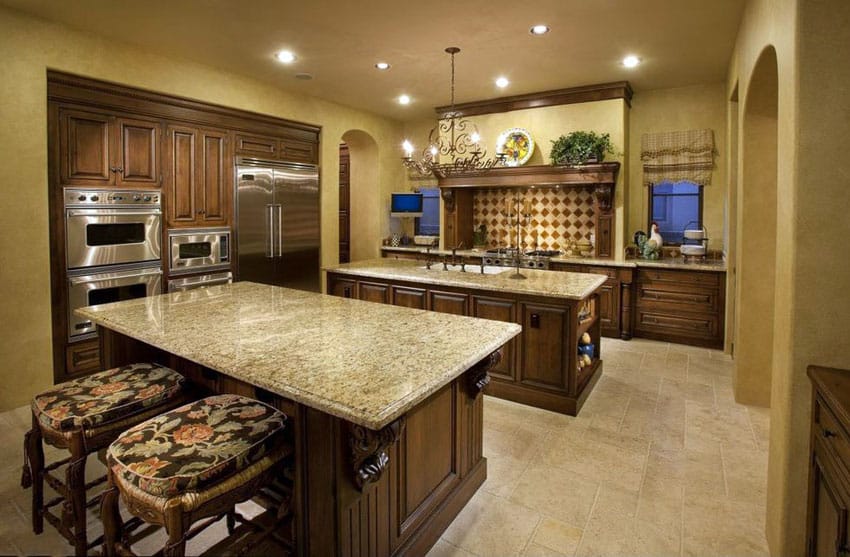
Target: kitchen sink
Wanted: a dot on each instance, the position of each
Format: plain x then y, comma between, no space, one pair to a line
471,269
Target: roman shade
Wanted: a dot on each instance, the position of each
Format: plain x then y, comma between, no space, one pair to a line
677,156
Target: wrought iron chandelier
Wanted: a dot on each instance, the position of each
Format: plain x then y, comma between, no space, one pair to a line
455,141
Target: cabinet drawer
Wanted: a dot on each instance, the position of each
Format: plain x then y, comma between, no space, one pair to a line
82,357
699,326
298,151
257,145
565,267
831,433
688,278
610,272
678,298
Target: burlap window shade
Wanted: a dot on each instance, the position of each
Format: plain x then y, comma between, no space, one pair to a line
677,157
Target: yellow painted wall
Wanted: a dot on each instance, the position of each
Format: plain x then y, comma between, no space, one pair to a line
29,48
681,108
812,42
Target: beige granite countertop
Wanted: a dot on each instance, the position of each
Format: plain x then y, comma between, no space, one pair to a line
360,361
571,286
717,265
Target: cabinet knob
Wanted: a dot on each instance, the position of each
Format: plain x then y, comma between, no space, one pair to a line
346,292
535,321
201,212
829,433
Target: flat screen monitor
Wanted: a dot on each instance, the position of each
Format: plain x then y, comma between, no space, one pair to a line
406,204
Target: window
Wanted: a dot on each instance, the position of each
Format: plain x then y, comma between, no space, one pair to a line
672,206
429,223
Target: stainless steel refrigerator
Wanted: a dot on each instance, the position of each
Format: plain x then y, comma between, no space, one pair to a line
277,223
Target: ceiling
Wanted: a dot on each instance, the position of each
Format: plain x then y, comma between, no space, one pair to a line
680,42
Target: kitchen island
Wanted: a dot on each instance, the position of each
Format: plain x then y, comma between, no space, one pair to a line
542,367
384,402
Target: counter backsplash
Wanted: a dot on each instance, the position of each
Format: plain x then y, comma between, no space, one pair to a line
558,215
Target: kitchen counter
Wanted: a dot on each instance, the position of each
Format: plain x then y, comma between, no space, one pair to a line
365,363
716,265
570,286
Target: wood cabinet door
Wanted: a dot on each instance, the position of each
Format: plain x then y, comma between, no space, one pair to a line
449,302
545,338
344,288
409,297
827,512
499,310
180,175
256,145
609,308
85,144
214,177
137,153
295,150
374,292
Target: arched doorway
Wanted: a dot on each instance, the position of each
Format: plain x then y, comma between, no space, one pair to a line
364,195
756,236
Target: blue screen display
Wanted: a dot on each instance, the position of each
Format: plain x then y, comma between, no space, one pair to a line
406,203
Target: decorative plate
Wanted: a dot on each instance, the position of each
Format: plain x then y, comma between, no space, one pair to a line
517,145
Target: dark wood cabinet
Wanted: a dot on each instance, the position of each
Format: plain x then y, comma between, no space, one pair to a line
499,310
101,149
614,296
344,204
287,149
256,146
198,177
538,367
296,150
82,357
680,306
829,472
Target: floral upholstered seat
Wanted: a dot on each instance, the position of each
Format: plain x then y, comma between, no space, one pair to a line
110,395
196,445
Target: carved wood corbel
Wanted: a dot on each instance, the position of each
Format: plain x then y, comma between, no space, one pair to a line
369,451
478,376
448,196
603,193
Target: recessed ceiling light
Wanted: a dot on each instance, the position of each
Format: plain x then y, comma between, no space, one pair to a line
382,66
502,82
539,29
631,61
403,99
285,56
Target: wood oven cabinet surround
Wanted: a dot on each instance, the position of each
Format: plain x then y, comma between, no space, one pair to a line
107,136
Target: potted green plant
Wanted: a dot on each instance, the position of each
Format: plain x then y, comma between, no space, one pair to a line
580,147
479,236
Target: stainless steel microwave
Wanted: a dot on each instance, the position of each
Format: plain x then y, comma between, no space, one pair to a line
200,249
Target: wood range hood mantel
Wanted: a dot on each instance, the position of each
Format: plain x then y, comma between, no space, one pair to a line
457,193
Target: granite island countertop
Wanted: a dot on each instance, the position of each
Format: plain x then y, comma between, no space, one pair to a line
363,362
716,265
570,286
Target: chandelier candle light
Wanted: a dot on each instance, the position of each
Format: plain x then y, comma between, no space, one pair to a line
518,213
454,138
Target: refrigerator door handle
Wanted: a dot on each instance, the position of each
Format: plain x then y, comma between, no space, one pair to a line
269,234
280,230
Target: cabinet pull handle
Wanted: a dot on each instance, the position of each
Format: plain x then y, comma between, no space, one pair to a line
535,321
827,433
346,292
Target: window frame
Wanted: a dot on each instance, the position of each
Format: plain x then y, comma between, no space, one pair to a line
417,220
649,219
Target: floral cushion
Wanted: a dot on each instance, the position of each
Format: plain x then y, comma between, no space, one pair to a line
106,396
196,445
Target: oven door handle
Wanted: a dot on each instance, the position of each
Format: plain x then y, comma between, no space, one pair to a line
113,275
111,212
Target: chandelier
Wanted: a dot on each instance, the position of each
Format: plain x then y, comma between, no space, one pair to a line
454,144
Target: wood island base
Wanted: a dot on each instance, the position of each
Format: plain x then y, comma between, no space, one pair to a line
360,492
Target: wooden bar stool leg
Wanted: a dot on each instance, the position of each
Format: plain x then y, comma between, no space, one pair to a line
231,520
75,477
176,544
35,463
111,516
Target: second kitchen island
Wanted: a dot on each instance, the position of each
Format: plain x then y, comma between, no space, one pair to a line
384,403
542,366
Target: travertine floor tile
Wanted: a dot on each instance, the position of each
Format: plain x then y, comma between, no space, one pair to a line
558,493
444,549
557,536
490,525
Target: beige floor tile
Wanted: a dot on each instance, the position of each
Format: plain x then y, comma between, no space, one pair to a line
444,549
636,538
557,493
597,460
521,444
722,425
503,473
490,525
622,359
537,550
557,536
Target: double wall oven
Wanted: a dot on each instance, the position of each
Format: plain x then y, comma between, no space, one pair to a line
112,249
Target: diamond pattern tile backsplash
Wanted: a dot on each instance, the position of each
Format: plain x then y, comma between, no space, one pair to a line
558,215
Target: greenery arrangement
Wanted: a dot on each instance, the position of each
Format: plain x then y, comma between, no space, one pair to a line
580,147
479,235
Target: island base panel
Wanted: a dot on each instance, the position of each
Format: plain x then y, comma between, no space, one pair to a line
435,460
555,402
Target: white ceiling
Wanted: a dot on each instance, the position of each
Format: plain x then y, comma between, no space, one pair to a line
681,42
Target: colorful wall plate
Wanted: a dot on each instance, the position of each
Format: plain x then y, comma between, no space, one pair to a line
518,145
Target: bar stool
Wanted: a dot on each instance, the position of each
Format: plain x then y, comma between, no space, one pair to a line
197,462
83,416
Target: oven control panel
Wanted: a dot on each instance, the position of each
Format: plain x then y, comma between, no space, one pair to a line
101,198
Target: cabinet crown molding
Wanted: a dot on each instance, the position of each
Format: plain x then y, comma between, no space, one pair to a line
536,175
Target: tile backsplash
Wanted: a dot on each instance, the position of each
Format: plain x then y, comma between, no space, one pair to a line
558,215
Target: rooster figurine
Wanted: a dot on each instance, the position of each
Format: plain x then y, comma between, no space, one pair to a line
655,236
650,248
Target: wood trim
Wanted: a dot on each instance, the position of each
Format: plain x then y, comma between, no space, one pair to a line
572,95
65,87
537,175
